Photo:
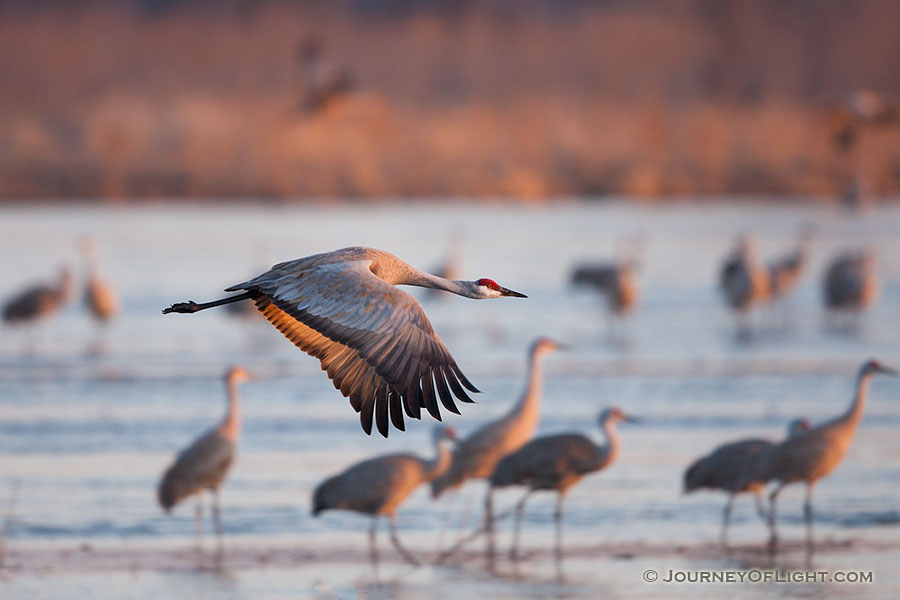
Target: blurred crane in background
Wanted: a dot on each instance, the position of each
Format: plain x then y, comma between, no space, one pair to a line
476,456
726,468
811,455
39,301
204,464
378,487
744,282
553,462
850,285
99,296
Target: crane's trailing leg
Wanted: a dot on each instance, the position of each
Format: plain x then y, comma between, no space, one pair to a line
373,549
396,540
557,516
760,509
191,307
517,526
808,515
198,518
773,536
726,518
217,520
489,528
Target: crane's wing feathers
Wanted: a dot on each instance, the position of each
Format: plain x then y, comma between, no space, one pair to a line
373,340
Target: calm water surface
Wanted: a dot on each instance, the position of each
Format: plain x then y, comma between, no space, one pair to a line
89,421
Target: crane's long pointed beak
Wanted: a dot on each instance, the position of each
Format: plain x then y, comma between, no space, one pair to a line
507,292
890,371
630,419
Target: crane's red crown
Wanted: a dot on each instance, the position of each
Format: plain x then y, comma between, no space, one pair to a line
489,283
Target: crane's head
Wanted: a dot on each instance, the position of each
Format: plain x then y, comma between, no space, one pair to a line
238,374
544,345
488,288
616,415
798,426
443,432
873,366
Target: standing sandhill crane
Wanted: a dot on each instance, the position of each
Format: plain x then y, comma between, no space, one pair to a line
324,85
811,455
618,282
204,464
378,487
850,283
785,272
476,456
99,296
726,468
744,281
554,462
40,300
373,340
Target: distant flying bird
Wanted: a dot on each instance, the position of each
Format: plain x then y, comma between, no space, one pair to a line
743,280
809,456
203,465
858,110
99,296
324,85
39,301
378,487
851,282
785,272
476,456
554,462
372,339
726,468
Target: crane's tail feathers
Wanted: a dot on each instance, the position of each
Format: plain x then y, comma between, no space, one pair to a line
191,307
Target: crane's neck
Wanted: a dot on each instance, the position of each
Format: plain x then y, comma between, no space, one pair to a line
529,405
441,462
854,413
231,424
610,451
427,280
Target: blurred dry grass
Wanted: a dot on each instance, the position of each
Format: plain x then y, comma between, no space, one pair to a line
645,98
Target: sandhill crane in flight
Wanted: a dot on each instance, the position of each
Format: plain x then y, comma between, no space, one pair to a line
99,296
378,487
809,456
476,456
554,462
204,464
726,468
324,84
851,282
373,340
744,282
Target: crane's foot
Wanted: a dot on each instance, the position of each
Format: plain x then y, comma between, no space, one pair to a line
182,307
